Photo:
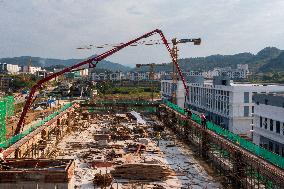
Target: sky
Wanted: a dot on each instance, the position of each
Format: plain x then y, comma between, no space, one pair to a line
55,28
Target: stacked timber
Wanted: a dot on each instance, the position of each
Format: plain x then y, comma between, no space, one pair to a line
145,172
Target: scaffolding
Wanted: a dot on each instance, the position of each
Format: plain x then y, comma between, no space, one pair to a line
248,145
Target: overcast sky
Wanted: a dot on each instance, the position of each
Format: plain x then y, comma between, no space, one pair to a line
54,28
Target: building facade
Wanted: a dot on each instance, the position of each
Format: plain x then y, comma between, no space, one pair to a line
5,84
269,122
30,69
9,68
227,104
168,88
241,72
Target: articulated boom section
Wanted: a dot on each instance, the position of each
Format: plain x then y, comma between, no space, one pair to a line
91,64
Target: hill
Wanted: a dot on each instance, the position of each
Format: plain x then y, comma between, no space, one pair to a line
50,62
269,58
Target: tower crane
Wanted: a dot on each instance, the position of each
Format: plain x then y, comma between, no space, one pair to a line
92,62
174,53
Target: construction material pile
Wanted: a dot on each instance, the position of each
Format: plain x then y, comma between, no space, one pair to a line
145,172
102,180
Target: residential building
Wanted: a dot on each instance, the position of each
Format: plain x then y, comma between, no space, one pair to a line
116,76
41,73
241,72
99,76
5,84
84,72
268,129
226,103
9,68
138,76
30,69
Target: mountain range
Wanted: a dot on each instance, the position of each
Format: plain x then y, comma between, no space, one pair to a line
269,59
51,62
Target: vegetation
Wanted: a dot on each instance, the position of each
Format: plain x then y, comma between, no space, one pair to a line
23,81
107,90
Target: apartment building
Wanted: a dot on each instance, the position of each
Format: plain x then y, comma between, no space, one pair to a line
30,69
9,68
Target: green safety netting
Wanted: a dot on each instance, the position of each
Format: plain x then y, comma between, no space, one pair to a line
131,102
248,145
146,109
16,138
7,109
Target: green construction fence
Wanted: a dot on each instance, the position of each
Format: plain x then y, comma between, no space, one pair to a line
7,109
248,145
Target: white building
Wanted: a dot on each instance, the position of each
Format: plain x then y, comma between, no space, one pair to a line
116,76
9,68
99,76
227,104
84,72
139,76
168,88
269,122
241,72
31,69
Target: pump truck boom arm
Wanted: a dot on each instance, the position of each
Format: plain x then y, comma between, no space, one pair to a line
91,63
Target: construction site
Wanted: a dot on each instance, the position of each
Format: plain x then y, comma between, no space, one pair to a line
126,143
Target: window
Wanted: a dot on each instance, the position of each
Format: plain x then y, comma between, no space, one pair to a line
246,97
265,123
277,149
252,109
277,126
260,121
271,125
266,102
270,146
257,103
246,111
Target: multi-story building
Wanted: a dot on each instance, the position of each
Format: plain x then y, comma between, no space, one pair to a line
5,84
116,76
241,72
268,129
226,103
99,76
9,68
139,76
30,69
41,73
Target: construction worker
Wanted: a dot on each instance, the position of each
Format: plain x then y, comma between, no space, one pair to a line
203,121
188,113
2,155
2,160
